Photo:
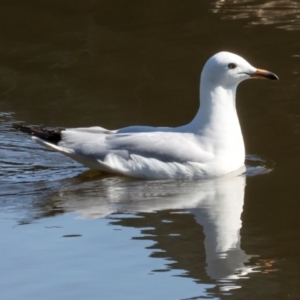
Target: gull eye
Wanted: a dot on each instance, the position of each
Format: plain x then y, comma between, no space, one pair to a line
231,66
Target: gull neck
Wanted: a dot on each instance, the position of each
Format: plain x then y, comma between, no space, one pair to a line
217,107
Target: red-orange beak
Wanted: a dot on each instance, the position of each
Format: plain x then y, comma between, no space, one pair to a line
264,74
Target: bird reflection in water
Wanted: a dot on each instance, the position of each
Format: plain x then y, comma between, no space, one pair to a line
174,214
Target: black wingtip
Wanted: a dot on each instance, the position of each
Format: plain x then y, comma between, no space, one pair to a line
49,135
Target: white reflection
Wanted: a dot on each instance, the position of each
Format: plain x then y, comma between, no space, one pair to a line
283,13
216,204
220,215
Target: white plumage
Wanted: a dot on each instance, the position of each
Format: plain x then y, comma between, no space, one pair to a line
210,145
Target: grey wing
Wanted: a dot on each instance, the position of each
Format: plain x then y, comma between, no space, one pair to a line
163,146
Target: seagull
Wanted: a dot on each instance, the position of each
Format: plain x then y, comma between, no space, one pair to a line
211,145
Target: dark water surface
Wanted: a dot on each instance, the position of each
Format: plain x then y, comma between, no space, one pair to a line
68,234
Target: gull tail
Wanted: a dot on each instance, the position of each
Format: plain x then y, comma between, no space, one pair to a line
48,135
50,139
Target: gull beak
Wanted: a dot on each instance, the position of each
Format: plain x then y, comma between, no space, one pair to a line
263,74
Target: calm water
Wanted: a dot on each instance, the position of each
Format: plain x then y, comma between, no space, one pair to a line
71,234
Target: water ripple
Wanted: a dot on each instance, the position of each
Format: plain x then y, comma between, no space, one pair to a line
23,161
284,14
256,165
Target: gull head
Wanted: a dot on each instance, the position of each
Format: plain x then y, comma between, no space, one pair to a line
227,69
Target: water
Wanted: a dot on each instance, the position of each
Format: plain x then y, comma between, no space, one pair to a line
71,234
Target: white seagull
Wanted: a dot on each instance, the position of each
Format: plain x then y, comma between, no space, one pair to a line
210,145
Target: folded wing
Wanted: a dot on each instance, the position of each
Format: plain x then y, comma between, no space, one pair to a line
146,154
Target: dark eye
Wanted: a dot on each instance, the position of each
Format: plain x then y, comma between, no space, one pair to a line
231,66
